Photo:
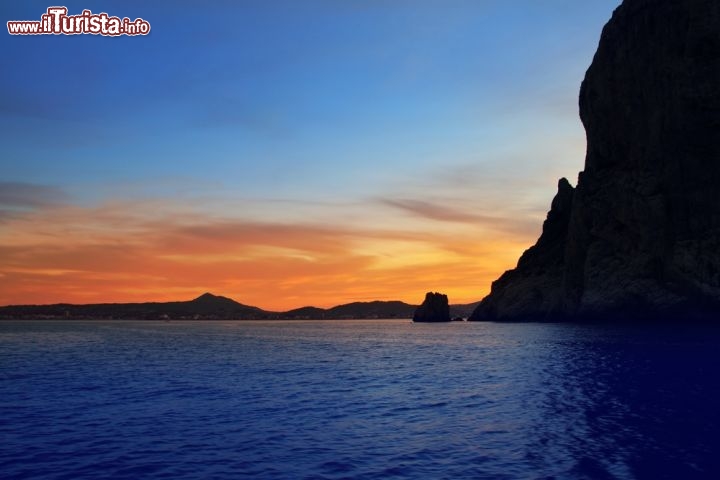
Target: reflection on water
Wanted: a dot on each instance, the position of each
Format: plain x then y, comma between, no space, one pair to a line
356,399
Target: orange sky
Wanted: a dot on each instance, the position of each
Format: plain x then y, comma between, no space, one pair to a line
452,230
385,152
158,251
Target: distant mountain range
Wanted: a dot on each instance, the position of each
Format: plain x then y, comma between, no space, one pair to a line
214,307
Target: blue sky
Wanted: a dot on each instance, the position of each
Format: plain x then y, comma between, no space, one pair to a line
372,113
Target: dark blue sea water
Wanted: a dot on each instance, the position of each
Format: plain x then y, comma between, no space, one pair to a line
357,399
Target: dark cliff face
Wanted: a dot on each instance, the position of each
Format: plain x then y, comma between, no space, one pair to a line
534,289
642,236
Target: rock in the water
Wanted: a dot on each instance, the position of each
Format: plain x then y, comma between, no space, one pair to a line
640,235
435,308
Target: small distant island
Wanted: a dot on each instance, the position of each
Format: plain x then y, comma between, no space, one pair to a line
215,307
435,309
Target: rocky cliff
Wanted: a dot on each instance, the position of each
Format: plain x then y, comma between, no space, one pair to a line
640,235
434,309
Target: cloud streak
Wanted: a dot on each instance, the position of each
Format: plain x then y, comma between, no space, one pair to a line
28,195
434,211
517,224
140,252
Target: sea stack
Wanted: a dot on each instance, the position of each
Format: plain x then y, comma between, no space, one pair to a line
434,309
639,237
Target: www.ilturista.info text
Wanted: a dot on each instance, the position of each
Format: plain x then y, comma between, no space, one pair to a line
57,22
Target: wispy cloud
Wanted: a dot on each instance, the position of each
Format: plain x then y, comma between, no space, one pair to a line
28,195
434,211
512,223
153,251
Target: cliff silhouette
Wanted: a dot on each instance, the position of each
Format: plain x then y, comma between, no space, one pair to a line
639,237
212,307
434,309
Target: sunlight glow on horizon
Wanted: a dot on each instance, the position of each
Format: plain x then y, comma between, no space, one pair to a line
51,256
287,155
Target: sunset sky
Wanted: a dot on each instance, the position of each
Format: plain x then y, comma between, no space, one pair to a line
286,153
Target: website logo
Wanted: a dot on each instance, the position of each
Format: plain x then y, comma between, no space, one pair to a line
57,22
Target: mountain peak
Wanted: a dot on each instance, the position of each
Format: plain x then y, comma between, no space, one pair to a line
209,297
206,296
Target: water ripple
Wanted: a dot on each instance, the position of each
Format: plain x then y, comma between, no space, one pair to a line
356,400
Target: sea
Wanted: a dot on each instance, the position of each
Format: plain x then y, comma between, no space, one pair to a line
370,399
